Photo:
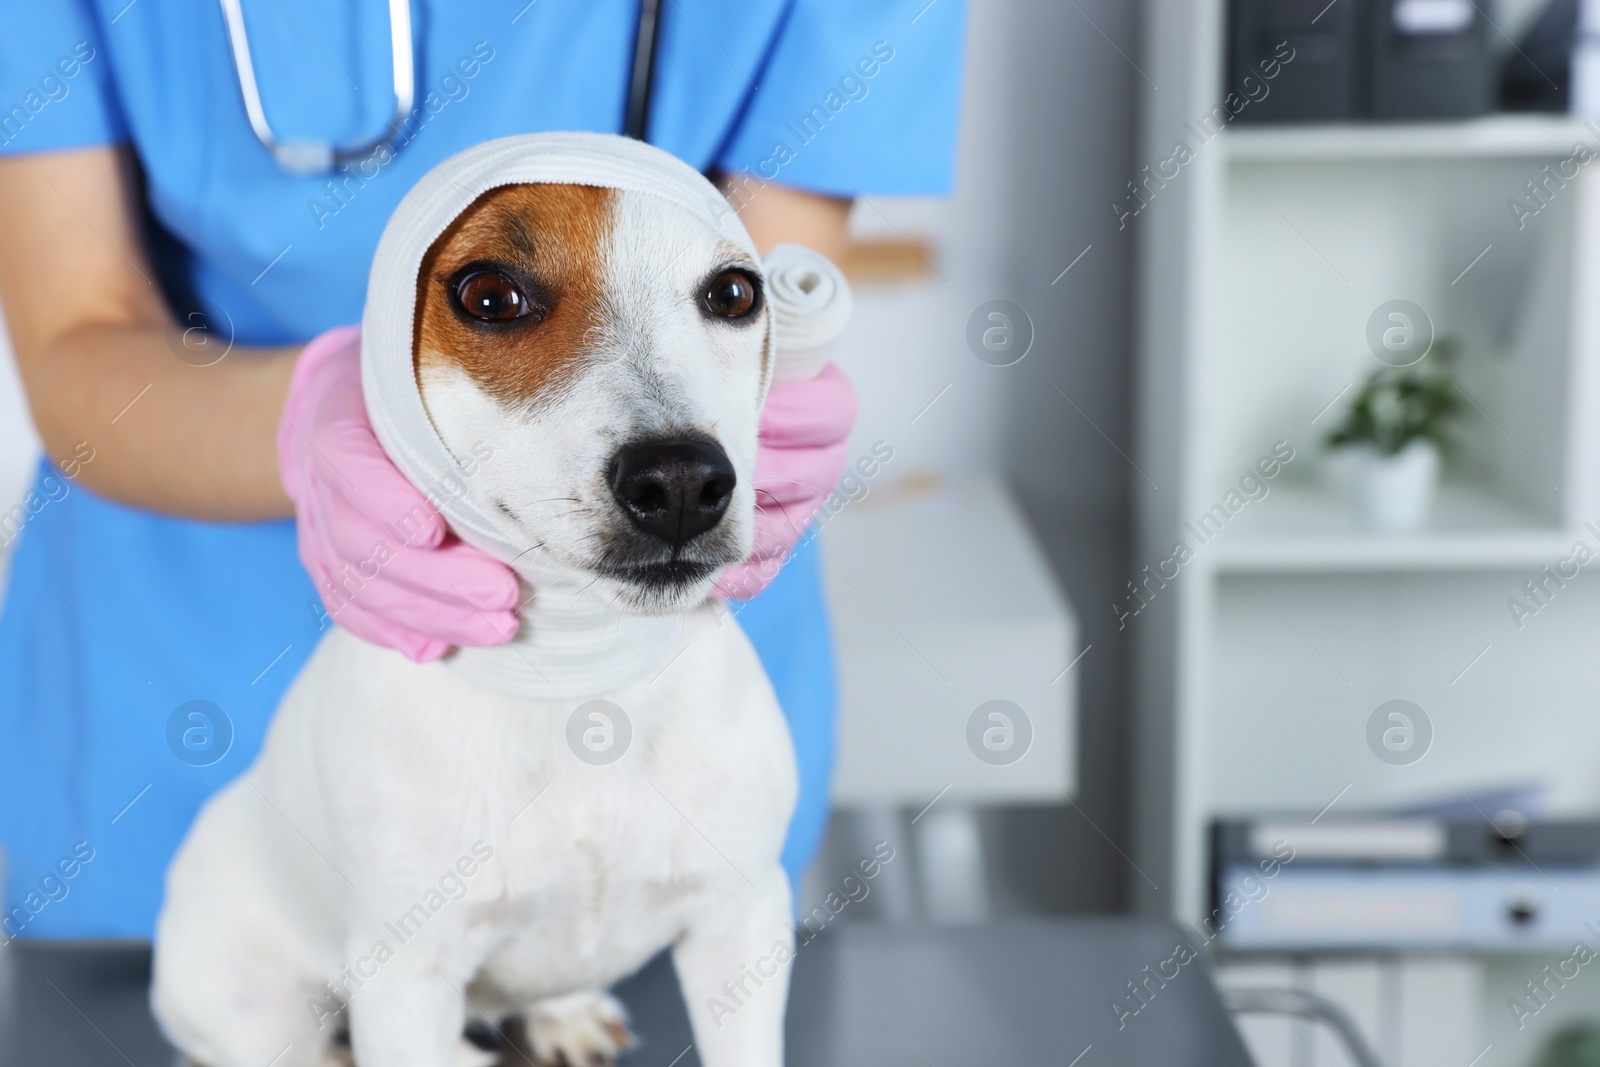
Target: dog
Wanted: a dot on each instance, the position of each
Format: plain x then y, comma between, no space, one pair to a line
411,849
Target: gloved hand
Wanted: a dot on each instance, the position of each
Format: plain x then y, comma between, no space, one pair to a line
383,560
799,457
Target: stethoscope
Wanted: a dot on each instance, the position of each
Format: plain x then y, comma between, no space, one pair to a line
305,156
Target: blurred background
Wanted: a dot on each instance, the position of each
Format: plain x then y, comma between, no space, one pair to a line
1231,562
1305,436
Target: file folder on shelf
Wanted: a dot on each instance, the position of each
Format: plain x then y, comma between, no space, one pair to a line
1404,883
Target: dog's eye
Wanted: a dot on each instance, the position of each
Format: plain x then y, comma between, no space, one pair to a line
490,296
733,294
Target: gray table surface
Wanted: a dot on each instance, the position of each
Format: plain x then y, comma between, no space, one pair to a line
1035,992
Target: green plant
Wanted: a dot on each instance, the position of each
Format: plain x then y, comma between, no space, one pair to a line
1576,1046
1399,405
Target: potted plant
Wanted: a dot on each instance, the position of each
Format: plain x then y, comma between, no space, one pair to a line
1395,429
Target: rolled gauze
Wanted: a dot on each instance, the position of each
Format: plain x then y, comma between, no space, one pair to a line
811,305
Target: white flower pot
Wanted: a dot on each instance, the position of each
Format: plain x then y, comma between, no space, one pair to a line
1395,493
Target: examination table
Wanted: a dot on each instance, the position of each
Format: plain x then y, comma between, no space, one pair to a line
1031,992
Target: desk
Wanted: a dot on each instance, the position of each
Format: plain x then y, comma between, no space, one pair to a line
942,602
1027,992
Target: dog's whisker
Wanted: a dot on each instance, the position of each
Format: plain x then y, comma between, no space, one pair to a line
524,552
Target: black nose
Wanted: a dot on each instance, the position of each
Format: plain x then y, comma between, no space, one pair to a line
674,490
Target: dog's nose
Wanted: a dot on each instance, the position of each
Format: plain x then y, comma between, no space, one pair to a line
674,490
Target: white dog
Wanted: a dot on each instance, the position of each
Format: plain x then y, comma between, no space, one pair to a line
412,847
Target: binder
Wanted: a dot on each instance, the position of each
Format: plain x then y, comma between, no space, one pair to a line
1322,82
1430,60
1355,59
1404,883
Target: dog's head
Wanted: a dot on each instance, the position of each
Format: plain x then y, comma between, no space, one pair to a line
613,349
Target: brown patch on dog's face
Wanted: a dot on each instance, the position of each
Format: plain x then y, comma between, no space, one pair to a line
509,292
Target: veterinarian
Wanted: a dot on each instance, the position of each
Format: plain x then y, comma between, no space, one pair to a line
161,267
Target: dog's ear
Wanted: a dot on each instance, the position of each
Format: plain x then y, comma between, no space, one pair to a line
511,290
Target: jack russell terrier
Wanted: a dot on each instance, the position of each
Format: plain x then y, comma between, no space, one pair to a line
412,842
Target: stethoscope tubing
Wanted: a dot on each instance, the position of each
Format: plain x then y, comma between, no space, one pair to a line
642,75
311,157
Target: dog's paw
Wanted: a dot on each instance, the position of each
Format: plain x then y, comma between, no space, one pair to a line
578,1030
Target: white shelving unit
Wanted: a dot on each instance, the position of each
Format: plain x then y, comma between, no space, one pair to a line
1260,264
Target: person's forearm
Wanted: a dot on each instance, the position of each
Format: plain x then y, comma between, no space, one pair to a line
165,435
103,375
776,214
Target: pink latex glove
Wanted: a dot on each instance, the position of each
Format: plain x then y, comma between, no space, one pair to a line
383,560
799,457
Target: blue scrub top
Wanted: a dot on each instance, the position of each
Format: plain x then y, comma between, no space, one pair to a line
115,619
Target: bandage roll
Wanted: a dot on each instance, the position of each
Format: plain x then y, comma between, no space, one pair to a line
811,305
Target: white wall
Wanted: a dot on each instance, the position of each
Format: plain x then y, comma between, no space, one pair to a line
1045,145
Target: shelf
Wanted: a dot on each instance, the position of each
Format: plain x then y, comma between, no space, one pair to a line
1495,136
1301,529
